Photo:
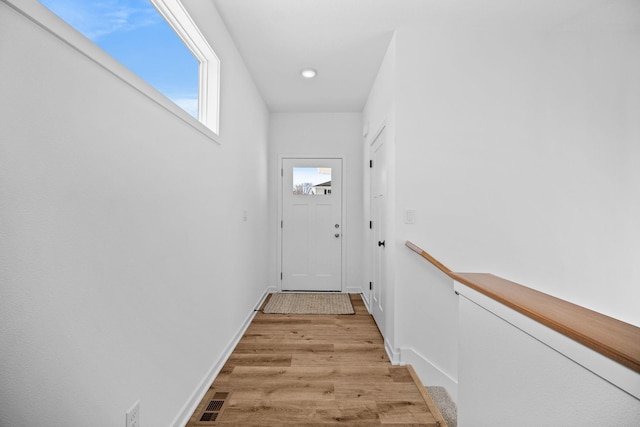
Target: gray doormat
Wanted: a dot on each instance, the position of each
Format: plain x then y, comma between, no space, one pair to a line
309,303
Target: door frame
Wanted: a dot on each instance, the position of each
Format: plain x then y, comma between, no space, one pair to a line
343,213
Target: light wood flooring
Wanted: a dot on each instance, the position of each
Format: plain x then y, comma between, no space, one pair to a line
312,370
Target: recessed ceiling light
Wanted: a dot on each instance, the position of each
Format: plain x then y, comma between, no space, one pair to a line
308,73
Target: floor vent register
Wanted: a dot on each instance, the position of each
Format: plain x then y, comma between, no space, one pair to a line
216,402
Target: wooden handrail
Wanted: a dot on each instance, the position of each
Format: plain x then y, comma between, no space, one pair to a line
429,258
610,337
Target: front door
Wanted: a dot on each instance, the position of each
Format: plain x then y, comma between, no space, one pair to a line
312,224
379,226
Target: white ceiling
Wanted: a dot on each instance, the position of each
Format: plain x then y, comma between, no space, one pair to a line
345,40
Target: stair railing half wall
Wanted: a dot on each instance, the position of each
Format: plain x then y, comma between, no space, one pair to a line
611,337
547,352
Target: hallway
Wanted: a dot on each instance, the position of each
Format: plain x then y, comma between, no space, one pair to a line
136,241
314,369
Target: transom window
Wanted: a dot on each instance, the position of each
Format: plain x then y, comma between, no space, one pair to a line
159,42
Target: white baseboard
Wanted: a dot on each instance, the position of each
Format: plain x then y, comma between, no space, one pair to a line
364,294
365,299
354,290
187,410
394,355
429,374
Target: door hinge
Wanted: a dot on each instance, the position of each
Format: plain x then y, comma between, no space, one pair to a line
280,275
370,225
281,172
281,224
370,286
370,163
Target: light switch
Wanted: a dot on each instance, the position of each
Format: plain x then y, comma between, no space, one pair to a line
409,216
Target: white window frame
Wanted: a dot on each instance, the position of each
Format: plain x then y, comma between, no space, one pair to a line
177,17
209,71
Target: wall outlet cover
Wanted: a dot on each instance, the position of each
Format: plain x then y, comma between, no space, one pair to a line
133,415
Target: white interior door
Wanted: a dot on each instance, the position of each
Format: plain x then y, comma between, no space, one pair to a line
311,224
378,216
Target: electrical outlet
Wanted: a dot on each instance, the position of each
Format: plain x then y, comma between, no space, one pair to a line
133,415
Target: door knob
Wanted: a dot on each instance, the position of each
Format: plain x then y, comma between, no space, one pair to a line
337,234
381,244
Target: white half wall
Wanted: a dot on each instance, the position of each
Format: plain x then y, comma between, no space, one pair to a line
515,371
320,135
427,322
124,270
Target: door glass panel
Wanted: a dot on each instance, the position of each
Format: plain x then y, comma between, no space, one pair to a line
312,181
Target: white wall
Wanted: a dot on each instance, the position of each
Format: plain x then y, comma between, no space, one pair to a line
519,153
320,135
422,308
123,253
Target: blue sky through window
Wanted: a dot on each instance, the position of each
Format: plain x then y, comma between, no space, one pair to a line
133,32
314,176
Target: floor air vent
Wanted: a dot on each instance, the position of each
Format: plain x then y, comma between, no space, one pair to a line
215,402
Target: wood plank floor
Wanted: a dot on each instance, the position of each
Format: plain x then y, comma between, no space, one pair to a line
308,370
